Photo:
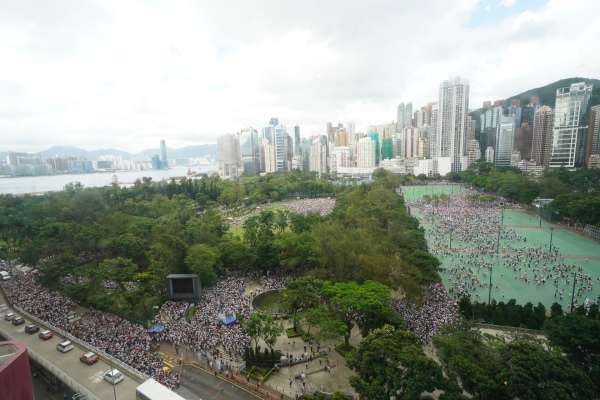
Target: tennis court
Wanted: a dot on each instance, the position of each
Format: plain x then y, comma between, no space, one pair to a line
578,251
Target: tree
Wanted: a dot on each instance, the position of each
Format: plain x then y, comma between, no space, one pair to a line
577,336
204,261
263,326
364,304
391,363
301,294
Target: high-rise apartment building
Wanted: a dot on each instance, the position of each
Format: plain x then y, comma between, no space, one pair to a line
318,157
592,146
365,153
570,125
452,123
410,141
542,136
524,140
387,150
404,116
374,136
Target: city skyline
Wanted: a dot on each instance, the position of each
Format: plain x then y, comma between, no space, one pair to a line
121,75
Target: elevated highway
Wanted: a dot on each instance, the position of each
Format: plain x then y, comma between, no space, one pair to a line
82,378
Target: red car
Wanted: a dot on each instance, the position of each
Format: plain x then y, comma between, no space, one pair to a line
18,320
89,358
45,335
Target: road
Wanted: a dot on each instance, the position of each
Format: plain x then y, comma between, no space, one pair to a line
197,384
88,376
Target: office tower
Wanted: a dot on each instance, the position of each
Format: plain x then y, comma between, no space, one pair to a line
524,140
505,136
280,143
387,151
542,135
268,133
400,118
163,155
249,151
293,132
318,157
274,122
374,136
452,123
410,141
592,146
228,150
296,140
408,115
365,152
570,125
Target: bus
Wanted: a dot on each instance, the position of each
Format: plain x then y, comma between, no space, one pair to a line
152,390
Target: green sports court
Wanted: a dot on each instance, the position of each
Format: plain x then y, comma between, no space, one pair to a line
576,249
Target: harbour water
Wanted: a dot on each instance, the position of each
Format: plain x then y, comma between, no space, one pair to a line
41,184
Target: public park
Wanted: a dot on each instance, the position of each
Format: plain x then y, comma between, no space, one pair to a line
310,289
518,230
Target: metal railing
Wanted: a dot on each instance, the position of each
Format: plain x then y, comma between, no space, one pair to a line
64,377
134,373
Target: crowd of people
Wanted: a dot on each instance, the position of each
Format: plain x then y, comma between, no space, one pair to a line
426,319
321,206
468,234
128,342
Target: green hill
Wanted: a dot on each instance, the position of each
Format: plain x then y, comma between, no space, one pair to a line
547,94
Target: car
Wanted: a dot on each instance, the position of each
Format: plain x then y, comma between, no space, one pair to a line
64,346
18,320
45,335
32,328
89,358
114,376
9,316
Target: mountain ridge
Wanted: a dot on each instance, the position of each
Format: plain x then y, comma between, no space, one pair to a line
201,150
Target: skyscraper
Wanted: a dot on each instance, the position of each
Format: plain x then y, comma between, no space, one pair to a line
228,150
400,118
408,115
542,136
505,136
163,155
452,123
280,143
570,125
593,138
524,140
374,136
249,151
365,152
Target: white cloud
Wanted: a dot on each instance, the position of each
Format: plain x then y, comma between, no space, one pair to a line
126,74
509,3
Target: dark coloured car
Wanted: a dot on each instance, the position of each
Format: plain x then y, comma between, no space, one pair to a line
18,320
46,335
32,328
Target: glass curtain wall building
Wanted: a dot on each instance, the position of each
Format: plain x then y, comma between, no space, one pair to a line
570,125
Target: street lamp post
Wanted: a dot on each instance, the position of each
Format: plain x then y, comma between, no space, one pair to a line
574,275
540,207
490,292
551,232
451,238
113,377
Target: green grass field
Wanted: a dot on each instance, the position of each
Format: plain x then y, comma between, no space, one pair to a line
575,248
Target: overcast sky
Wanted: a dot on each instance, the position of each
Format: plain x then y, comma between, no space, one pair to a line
126,74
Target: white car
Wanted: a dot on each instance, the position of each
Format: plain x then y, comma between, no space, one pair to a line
10,316
114,376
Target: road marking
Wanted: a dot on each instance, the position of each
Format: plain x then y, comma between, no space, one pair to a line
97,377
